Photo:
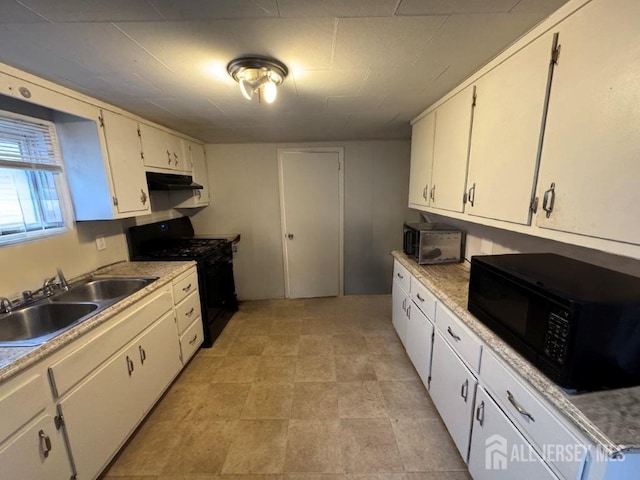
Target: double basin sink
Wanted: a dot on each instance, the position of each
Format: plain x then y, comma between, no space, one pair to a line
42,320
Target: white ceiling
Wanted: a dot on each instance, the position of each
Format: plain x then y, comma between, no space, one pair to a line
359,69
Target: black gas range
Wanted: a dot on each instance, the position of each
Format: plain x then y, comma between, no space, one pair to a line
174,240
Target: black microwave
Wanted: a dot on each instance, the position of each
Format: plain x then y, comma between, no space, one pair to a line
577,323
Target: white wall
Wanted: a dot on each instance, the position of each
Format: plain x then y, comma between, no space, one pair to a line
24,266
484,240
243,179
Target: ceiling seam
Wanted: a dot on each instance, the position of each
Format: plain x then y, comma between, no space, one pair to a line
33,11
141,47
152,5
428,42
334,41
395,10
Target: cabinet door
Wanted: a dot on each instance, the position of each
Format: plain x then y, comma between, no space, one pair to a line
591,149
498,451
156,147
422,136
451,151
419,342
507,122
101,413
400,301
158,360
194,198
125,163
452,390
23,457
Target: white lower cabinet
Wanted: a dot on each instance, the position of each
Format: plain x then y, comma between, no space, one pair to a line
400,302
453,388
498,450
103,410
36,452
419,341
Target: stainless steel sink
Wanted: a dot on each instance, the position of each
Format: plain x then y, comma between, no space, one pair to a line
103,289
50,316
38,323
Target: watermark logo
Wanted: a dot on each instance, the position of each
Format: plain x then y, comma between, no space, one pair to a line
495,454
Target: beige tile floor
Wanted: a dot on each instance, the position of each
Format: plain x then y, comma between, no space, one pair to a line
317,389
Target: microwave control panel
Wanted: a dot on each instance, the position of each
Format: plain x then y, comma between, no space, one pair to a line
555,343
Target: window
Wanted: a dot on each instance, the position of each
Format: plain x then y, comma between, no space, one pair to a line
30,179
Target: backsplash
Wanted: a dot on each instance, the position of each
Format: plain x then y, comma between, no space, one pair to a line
484,240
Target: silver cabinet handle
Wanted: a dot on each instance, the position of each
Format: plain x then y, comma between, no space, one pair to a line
480,413
143,197
471,196
409,312
290,236
129,365
190,312
519,407
549,199
400,275
455,337
175,156
433,193
424,192
169,157
404,305
193,340
45,443
187,288
419,297
464,390
198,194
143,354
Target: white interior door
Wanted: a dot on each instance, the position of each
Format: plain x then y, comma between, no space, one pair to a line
310,194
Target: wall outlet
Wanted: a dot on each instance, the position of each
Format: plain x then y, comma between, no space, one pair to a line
100,243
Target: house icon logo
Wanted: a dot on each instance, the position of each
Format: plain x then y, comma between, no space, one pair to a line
495,454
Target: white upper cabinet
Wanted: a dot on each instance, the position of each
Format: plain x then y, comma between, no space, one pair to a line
590,164
422,136
507,122
195,198
164,151
126,168
103,166
451,151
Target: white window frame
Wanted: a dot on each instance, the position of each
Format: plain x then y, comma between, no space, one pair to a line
60,183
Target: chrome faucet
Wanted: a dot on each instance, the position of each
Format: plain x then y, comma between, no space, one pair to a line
64,285
5,305
47,286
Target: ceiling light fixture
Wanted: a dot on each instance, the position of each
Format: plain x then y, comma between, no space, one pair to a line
258,74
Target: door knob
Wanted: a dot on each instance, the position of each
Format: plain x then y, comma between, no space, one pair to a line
290,236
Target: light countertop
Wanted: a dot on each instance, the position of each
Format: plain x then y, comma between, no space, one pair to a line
15,359
610,419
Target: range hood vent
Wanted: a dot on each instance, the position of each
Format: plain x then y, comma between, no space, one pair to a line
170,181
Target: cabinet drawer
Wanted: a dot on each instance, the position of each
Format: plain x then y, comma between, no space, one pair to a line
401,275
68,371
187,311
423,298
190,340
463,341
21,399
540,425
185,286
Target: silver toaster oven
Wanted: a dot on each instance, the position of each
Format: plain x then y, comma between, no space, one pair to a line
429,243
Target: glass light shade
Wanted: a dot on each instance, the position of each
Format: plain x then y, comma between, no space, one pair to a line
269,91
246,88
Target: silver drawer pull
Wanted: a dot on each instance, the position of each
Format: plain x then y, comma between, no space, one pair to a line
129,365
455,337
44,439
480,413
187,288
519,407
193,340
399,275
190,312
419,297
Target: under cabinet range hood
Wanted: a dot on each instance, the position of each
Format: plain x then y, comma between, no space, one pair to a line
170,181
